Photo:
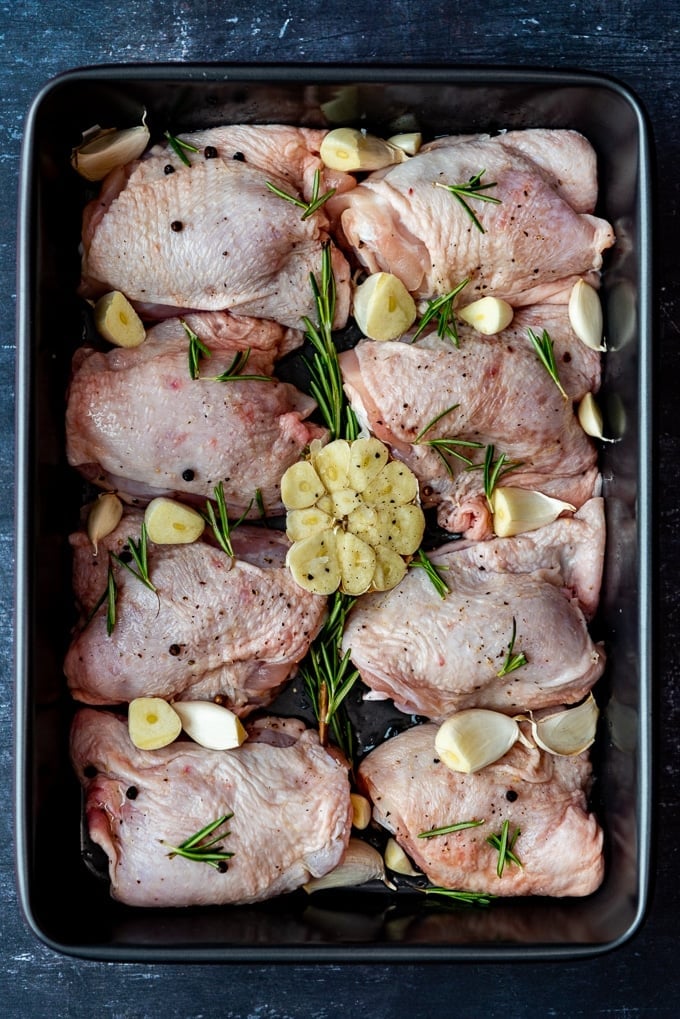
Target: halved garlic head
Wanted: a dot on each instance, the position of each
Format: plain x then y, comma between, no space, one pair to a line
590,418
568,732
360,520
585,314
345,148
409,142
211,725
117,321
103,518
361,863
489,315
471,739
517,510
382,307
103,149
397,860
152,723
169,522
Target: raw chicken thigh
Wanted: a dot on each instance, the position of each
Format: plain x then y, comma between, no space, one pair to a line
289,798
217,627
559,843
137,422
211,235
535,243
434,656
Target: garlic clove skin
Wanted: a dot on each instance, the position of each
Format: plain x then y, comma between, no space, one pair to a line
211,725
518,510
488,315
361,863
469,740
104,149
590,418
409,142
569,732
397,860
585,315
345,148
103,518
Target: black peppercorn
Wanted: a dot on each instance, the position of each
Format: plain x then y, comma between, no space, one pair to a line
131,793
239,157
174,650
89,771
168,169
210,152
177,225
511,796
188,474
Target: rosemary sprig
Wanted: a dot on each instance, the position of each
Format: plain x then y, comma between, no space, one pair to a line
446,446
198,351
504,844
474,189
309,208
140,553
544,348
328,677
442,309
220,523
326,378
425,563
180,148
196,848
449,828
494,470
467,898
512,661
111,596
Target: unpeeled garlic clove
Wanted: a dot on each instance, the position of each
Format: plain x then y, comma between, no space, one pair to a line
361,863
488,315
590,418
518,510
103,149
585,314
472,738
103,518
409,142
345,148
211,725
568,732
397,860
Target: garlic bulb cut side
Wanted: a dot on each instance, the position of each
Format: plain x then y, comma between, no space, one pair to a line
518,510
382,307
104,149
568,732
585,314
472,738
488,315
103,518
345,148
590,418
361,863
211,725
397,860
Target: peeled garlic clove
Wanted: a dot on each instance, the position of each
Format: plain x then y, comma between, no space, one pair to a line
211,725
475,737
397,860
345,148
568,732
117,321
152,723
103,518
409,142
361,863
106,148
382,307
517,510
314,563
489,315
590,418
172,523
585,314
361,811
301,486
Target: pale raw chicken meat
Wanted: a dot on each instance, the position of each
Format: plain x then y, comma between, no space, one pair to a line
539,239
137,422
496,392
211,236
217,628
545,797
289,797
434,656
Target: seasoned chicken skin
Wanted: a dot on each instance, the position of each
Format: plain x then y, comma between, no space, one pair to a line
434,655
233,628
538,239
545,797
289,798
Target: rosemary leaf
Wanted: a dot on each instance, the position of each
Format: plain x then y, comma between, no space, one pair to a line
473,189
512,661
309,208
220,523
197,350
139,552
442,309
467,898
425,563
449,828
198,849
180,148
544,348
504,844
235,371
494,470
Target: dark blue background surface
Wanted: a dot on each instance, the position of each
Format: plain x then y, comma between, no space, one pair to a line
637,42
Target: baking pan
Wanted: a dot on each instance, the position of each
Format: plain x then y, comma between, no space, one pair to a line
66,904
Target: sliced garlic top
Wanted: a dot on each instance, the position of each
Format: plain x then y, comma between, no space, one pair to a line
169,522
409,142
117,321
345,148
517,510
382,307
475,737
103,149
585,315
